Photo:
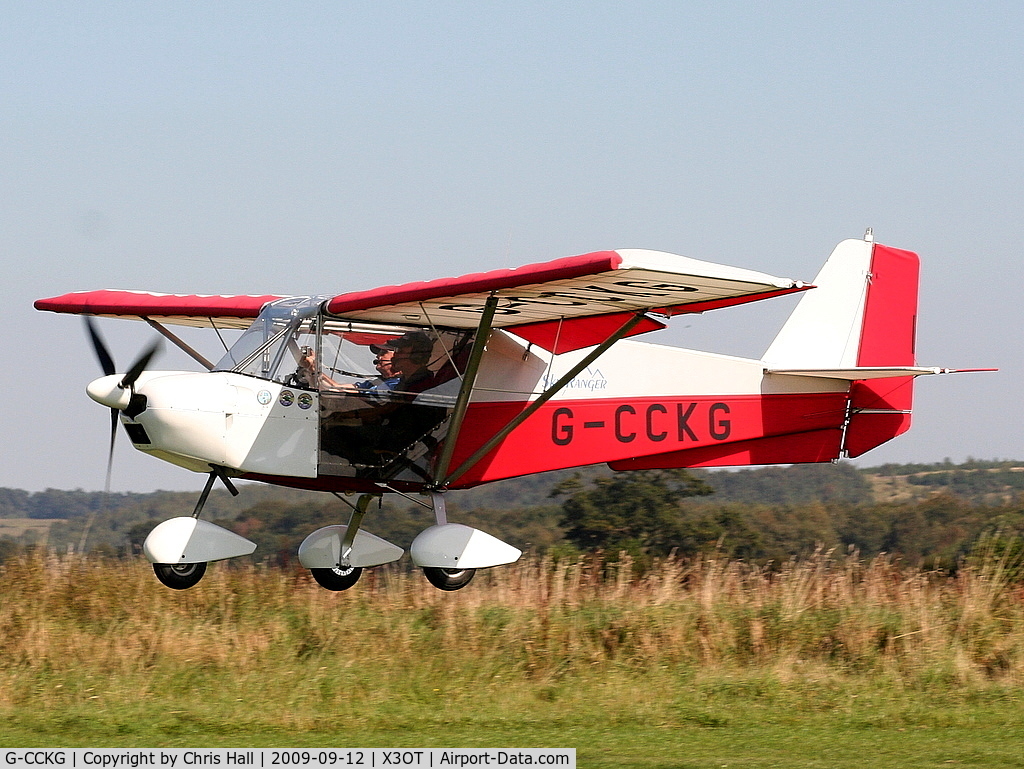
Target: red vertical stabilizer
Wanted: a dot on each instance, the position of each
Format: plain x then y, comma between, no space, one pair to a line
880,408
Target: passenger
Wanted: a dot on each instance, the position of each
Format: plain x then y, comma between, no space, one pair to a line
410,354
373,435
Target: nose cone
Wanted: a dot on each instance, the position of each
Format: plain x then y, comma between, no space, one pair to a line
107,390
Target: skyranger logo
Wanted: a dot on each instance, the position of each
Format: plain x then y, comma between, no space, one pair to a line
590,380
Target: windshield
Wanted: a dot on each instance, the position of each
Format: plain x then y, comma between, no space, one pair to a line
273,345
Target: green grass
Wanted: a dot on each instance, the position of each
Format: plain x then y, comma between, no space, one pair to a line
828,662
722,722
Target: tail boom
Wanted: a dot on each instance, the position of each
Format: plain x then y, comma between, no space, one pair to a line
837,381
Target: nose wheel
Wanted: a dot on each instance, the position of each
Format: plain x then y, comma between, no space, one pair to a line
179,576
337,579
187,537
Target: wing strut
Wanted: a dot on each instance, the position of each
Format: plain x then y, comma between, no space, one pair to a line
544,397
483,332
179,343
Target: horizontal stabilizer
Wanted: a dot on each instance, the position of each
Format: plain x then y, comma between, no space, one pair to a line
870,372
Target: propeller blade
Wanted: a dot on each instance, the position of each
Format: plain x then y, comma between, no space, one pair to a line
110,452
100,348
140,364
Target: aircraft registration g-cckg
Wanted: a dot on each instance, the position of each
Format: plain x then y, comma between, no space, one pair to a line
446,384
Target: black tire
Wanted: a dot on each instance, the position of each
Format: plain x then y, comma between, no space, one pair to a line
448,579
179,576
337,578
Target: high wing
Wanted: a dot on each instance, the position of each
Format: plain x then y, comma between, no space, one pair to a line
568,303
224,311
561,305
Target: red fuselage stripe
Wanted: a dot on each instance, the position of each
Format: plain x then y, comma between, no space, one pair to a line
581,432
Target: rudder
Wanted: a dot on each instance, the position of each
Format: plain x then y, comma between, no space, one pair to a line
881,409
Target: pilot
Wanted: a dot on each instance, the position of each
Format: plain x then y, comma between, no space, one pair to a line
382,384
383,363
385,382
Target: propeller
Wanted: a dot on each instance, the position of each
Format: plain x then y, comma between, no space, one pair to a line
139,365
137,403
106,361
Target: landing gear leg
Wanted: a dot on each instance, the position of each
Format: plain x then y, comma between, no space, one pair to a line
445,579
215,473
345,575
181,576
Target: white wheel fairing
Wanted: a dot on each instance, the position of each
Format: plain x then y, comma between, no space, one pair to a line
322,549
190,540
455,546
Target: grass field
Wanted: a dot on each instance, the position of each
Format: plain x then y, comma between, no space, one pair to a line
827,662
37,529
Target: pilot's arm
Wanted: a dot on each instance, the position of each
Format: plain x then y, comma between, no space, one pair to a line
308,373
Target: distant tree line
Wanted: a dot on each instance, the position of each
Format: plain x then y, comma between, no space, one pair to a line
928,514
653,513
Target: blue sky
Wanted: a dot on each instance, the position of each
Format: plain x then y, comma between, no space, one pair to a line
233,147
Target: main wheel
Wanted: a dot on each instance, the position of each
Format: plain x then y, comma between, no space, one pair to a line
448,579
179,576
337,578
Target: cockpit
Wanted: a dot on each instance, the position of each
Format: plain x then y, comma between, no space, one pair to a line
384,391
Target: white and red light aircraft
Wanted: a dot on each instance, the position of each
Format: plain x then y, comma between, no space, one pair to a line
498,375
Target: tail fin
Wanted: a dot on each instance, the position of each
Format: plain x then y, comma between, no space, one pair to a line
863,314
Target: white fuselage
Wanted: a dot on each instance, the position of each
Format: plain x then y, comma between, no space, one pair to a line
256,426
217,418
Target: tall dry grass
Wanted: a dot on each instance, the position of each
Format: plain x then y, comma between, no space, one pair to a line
74,632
